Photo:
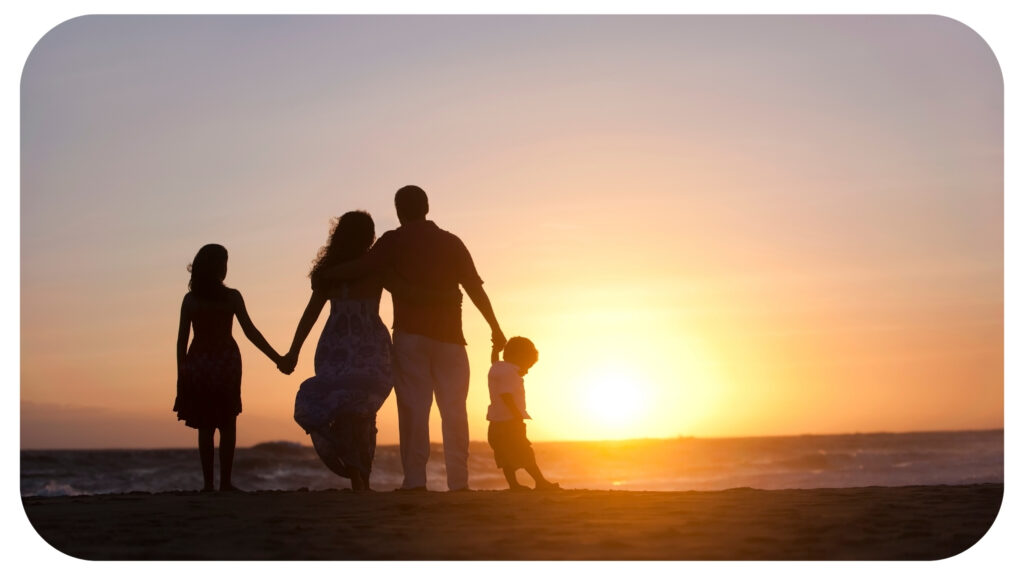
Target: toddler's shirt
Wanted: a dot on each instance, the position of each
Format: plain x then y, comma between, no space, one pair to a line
504,378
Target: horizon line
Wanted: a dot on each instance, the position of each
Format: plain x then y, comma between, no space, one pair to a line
559,441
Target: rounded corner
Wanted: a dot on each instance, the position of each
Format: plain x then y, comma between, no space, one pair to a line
42,538
977,35
48,34
988,529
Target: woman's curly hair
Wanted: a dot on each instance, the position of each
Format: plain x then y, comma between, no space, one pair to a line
350,237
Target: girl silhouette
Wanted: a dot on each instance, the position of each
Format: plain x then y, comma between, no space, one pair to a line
210,372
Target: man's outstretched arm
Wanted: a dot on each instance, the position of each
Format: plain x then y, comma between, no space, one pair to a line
347,270
373,261
479,298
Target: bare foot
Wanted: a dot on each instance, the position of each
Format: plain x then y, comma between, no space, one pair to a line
549,486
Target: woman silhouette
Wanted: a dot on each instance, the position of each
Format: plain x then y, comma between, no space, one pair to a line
338,406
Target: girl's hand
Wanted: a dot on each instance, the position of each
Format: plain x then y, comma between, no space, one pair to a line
287,363
177,392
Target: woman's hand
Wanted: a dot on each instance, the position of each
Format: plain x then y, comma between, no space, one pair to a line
287,363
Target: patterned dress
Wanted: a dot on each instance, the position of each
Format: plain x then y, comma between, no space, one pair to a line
338,406
210,379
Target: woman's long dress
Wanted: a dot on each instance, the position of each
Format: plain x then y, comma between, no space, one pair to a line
338,406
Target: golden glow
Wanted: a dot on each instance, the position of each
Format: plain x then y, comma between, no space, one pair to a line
618,366
688,259
616,399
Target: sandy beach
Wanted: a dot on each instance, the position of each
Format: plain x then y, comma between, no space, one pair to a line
870,523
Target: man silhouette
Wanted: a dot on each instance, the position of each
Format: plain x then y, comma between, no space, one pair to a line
430,356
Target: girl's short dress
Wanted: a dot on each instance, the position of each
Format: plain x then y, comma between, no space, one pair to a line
210,384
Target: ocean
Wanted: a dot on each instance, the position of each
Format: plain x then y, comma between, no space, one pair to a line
679,464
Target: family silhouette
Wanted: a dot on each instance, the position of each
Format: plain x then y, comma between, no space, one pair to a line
357,361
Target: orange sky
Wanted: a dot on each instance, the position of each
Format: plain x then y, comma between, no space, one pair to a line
710,226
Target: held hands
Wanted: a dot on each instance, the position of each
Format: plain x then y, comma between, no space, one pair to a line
498,341
287,362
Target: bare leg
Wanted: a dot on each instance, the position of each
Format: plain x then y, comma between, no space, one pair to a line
227,455
538,478
510,476
350,434
358,484
206,456
348,429
335,448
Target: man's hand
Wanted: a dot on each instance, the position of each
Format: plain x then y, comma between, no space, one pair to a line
498,340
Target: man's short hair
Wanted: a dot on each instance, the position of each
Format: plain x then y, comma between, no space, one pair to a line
411,202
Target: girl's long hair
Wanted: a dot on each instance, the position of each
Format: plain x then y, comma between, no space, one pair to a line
350,237
208,269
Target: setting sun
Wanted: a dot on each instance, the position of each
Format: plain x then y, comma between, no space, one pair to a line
616,399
